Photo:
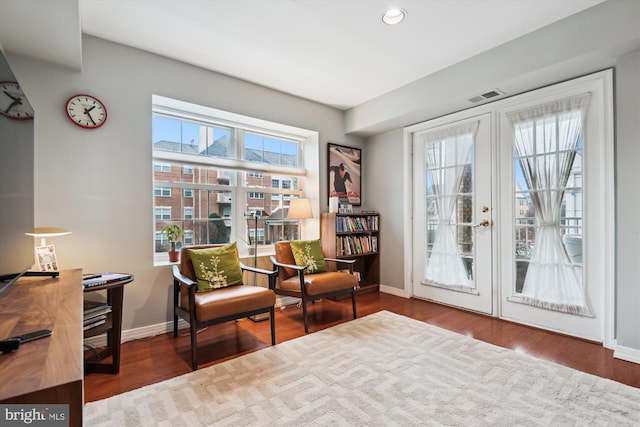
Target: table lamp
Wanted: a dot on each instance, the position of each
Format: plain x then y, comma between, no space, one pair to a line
46,254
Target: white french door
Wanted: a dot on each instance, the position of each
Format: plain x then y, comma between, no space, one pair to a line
513,209
452,242
556,226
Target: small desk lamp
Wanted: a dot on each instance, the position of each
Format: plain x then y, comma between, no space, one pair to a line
43,232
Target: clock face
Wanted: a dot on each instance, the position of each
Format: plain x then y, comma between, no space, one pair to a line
86,111
13,102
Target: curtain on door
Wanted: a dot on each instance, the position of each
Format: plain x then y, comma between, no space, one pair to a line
546,140
448,153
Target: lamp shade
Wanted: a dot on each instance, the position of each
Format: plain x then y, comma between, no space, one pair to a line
48,232
300,209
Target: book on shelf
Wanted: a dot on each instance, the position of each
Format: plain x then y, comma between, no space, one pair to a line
356,245
95,311
99,279
94,319
350,224
103,311
90,306
94,324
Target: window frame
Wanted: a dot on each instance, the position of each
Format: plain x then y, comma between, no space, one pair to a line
238,189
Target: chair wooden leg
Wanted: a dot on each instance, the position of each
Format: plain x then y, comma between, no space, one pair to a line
194,347
176,295
175,323
353,302
304,315
272,316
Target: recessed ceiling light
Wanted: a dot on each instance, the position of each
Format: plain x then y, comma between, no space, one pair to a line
394,16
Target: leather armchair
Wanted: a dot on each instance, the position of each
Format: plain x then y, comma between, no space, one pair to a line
293,281
215,306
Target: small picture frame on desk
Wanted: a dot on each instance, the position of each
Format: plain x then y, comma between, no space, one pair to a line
46,256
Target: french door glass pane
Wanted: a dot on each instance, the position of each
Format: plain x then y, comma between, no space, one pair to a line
449,207
548,208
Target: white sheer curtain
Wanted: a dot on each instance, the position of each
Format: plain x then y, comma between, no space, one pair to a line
546,138
448,154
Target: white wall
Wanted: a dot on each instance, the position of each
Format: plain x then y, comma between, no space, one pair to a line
628,200
98,183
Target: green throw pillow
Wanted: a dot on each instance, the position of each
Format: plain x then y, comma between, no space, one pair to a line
216,267
308,253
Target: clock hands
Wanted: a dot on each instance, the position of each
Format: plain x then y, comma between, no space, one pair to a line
86,111
13,104
18,99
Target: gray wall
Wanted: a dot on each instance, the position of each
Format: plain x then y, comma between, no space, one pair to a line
628,200
98,183
384,161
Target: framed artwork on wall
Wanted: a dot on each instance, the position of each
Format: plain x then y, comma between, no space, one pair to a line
345,173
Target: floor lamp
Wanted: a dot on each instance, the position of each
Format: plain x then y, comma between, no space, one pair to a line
255,215
300,209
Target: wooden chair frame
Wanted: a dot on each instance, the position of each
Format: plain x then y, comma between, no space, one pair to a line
189,314
304,296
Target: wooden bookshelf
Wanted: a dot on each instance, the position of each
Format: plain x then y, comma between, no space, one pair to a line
354,236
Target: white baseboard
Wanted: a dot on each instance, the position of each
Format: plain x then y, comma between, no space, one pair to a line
138,333
626,353
392,291
163,328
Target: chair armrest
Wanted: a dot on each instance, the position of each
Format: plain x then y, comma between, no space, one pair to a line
280,264
348,262
257,270
271,274
181,279
343,261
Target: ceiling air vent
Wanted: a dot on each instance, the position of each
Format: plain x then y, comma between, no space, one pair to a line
487,95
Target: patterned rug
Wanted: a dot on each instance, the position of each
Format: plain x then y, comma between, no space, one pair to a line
380,370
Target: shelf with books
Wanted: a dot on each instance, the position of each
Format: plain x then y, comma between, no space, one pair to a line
95,314
354,236
103,317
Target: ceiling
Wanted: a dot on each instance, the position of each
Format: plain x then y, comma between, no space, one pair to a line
335,52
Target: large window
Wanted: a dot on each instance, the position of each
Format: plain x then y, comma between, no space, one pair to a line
215,177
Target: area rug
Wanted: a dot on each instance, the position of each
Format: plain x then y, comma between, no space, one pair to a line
380,370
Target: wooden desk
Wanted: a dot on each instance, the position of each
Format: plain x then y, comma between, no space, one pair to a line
113,328
47,370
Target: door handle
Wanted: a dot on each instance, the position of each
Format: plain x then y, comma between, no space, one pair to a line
483,224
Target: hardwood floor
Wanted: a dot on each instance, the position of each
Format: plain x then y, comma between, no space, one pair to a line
159,358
